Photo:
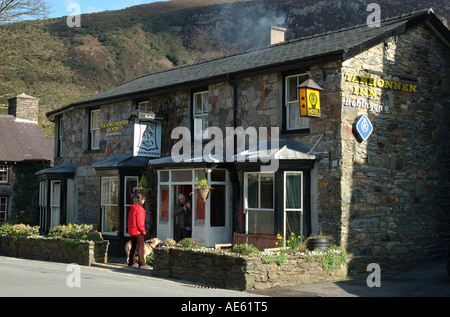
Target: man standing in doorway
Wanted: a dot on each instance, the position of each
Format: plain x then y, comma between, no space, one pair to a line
183,207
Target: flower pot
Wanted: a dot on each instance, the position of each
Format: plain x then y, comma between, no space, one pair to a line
321,244
203,193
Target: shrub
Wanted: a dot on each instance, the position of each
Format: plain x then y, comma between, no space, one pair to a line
77,232
246,249
24,230
189,243
5,228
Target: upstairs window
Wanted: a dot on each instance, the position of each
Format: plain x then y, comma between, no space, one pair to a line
4,174
292,105
200,112
95,129
144,106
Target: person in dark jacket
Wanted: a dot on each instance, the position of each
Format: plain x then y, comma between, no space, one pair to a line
183,207
136,229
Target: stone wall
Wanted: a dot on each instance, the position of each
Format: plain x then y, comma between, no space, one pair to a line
394,186
57,250
242,273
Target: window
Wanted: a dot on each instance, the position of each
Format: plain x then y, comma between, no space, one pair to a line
43,204
292,106
144,106
131,182
4,174
110,205
259,202
201,112
95,129
55,204
293,204
164,211
3,208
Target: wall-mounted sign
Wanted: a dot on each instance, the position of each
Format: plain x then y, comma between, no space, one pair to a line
309,95
367,82
113,127
147,138
362,128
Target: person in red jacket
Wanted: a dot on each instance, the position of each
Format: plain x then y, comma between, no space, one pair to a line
136,229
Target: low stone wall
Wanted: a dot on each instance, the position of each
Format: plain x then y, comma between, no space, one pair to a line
54,249
242,272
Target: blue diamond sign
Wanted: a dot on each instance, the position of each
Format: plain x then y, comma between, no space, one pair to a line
362,128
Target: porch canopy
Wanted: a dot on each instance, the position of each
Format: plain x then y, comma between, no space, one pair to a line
121,161
286,149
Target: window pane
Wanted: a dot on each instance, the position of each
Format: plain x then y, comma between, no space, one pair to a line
252,190
114,190
261,221
266,191
291,88
182,176
218,206
163,176
130,184
110,219
293,191
164,194
198,108
218,175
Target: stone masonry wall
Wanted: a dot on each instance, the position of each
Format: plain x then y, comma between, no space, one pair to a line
395,185
242,272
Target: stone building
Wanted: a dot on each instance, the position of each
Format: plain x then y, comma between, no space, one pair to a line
23,148
371,171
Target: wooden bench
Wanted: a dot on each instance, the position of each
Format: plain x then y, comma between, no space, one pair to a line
260,241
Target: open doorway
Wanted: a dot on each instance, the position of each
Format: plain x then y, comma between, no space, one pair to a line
178,226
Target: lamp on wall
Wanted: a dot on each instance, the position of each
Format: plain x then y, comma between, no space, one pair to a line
309,96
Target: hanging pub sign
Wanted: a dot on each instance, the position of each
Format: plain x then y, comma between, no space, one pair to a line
147,138
309,96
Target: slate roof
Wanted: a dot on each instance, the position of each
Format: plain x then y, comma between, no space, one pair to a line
23,141
343,43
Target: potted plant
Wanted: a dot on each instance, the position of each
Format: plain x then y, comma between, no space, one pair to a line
320,242
142,187
203,189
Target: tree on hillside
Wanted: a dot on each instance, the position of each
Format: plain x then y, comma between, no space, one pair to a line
15,10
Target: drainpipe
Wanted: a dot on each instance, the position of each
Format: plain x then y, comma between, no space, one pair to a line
234,177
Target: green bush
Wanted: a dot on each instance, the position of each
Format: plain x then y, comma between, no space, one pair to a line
24,230
246,249
78,232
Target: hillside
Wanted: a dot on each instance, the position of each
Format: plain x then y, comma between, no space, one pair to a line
58,64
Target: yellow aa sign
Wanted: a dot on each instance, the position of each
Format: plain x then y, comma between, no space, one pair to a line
309,103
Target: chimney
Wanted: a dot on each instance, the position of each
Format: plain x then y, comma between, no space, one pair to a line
24,107
277,34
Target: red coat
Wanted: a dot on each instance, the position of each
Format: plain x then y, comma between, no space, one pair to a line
136,220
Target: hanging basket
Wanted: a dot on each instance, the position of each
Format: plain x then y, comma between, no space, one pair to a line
203,193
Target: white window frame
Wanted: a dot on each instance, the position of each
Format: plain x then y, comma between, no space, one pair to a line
4,170
43,192
286,210
95,130
108,202
203,114
125,220
144,106
246,207
55,205
304,122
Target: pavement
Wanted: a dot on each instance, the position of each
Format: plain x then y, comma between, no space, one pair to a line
425,279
